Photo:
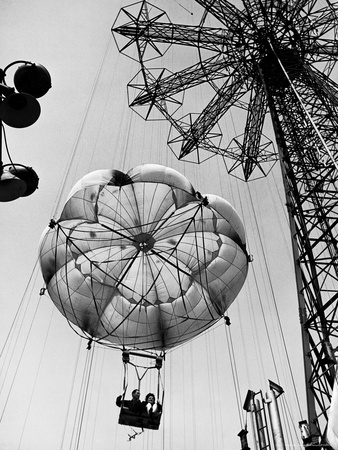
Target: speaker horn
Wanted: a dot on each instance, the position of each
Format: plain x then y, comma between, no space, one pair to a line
20,110
26,174
33,79
11,187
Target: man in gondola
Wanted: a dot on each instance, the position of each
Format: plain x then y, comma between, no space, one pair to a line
134,405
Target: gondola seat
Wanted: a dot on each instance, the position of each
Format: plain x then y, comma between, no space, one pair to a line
128,417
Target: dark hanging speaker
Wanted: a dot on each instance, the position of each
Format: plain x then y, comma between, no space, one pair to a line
26,174
33,79
19,110
11,187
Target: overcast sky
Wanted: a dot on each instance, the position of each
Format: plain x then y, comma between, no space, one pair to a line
85,125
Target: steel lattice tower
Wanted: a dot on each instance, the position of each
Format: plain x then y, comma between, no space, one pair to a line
279,55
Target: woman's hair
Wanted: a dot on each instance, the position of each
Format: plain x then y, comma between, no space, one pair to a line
149,395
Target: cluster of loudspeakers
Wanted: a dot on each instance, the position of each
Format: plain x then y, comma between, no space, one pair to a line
19,110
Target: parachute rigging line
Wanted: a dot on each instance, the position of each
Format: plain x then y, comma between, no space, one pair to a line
140,376
205,258
59,228
126,270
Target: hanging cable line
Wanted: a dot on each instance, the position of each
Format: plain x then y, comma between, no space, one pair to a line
81,129
19,315
13,377
262,309
234,372
82,401
72,387
290,422
38,367
278,319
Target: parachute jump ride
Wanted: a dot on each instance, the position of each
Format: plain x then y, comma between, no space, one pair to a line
142,262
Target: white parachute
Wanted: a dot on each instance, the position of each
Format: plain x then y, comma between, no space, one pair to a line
141,260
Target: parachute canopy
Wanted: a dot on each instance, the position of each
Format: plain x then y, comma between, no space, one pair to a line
141,260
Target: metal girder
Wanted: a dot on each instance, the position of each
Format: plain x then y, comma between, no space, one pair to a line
250,148
215,39
310,177
224,11
227,95
180,81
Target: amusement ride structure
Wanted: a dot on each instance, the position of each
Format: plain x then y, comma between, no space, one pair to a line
271,60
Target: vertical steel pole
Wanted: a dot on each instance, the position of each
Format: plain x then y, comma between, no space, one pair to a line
276,426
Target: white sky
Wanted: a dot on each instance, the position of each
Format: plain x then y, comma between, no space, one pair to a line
43,363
